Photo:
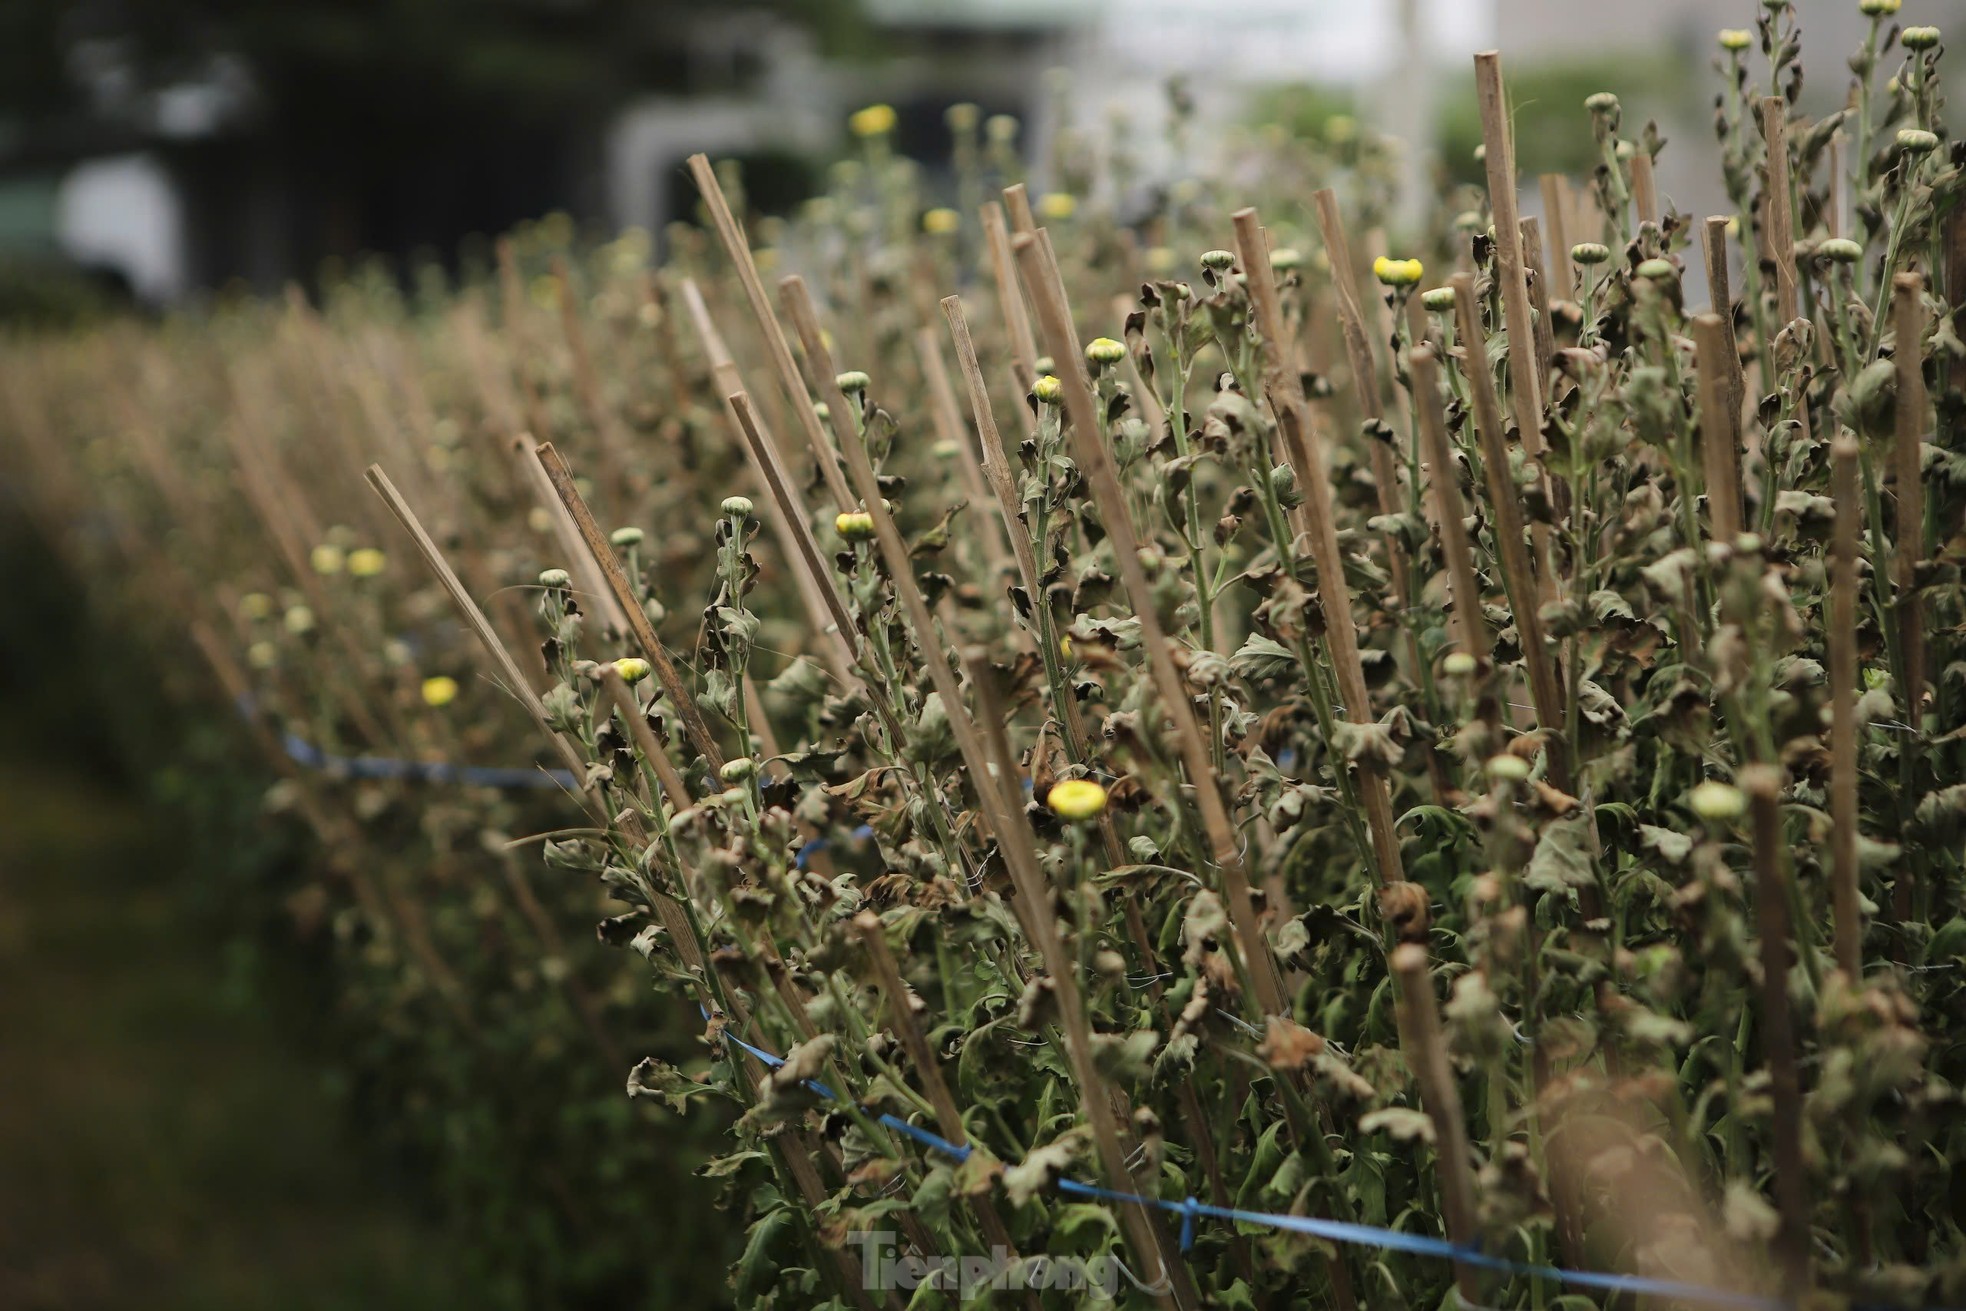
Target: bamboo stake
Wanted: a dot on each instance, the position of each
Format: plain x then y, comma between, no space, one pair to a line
1763,785
474,618
1054,315
1426,1051
949,427
1557,225
1908,544
794,517
1019,847
1358,345
1844,551
1524,374
694,726
1010,297
593,583
789,380
1780,217
1506,504
996,454
1717,427
1469,623
1713,242
1539,299
948,1117
1645,195
1341,632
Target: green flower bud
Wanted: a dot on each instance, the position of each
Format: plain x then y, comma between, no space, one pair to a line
1917,141
554,578
1506,768
1603,102
327,559
1102,352
852,381
256,605
1440,300
1588,253
1657,270
1920,38
626,537
1286,259
1458,663
734,796
1735,38
1840,250
1879,8
737,505
299,620
1217,259
1717,803
738,770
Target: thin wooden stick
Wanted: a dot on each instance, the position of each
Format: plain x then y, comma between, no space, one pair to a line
1908,543
1010,297
789,380
1055,317
950,428
1526,390
695,728
1469,623
996,454
1017,201
1358,345
1506,505
474,618
1645,194
1426,1051
1341,632
1713,241
593,586
793,516
1763,784
1539,298
1019,847
1557,227
893,548
1779,215
1717,426
1844,551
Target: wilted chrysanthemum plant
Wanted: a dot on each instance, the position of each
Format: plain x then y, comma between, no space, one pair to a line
1464,744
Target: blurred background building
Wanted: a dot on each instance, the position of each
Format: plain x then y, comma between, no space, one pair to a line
176,145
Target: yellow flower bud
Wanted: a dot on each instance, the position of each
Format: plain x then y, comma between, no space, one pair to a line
1397,272
256,605
1058,206
1076,799
439,690
366,562
855,526
941,222
873,121
327,559
633,669
1048,390
1735,39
